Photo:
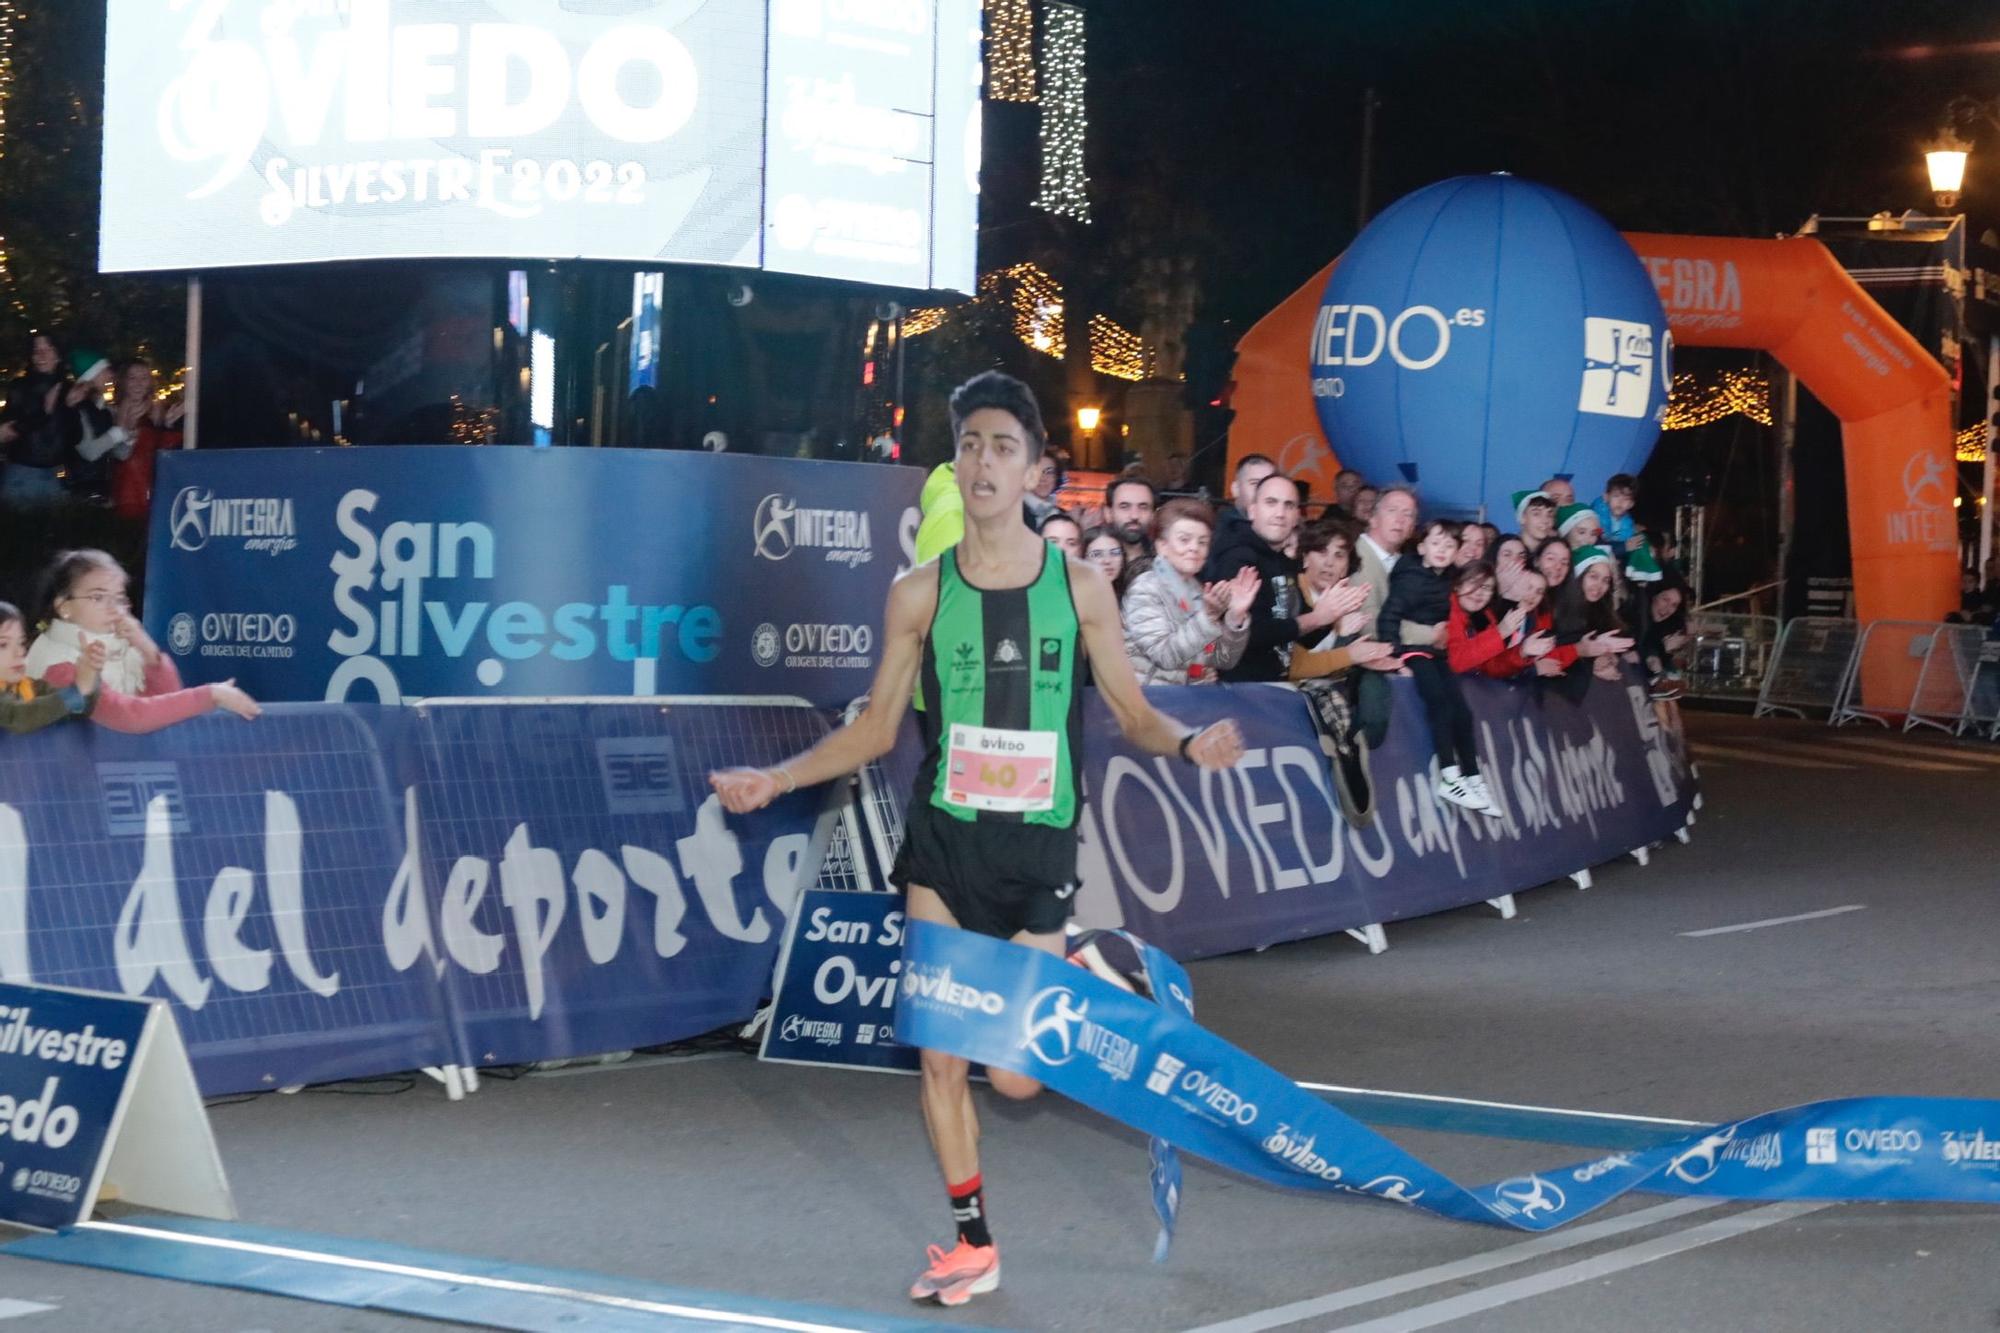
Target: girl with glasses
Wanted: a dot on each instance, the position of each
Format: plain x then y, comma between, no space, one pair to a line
83,604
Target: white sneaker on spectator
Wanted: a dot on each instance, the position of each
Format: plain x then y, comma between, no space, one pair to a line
1476,783
1451,787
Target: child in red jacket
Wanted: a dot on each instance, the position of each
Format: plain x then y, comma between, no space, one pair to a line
83,600
1491,638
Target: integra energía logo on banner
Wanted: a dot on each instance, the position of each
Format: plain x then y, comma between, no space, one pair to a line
782,526
234,634
807,645
1057,1028
821,1031
401,563
1926,516
198,516
1529,1197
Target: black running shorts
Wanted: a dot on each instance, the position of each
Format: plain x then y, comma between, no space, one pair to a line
997,879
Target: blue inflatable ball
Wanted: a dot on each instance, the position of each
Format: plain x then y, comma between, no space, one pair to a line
1484,334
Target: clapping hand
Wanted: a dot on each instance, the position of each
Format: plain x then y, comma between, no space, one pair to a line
90,666
1354,622
1538,645
1511,623
1347,596
1242,592
1372,653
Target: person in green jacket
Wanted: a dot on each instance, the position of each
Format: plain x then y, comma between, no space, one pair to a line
29,705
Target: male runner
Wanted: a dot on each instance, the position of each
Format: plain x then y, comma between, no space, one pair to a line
999,626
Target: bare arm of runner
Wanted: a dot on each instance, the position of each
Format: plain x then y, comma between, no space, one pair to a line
1218,745
868,736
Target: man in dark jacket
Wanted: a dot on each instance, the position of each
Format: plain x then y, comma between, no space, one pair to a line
1275,622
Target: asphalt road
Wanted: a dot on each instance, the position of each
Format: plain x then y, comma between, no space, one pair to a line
801,1185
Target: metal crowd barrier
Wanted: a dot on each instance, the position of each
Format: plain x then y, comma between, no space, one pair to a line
1819,662
1943,691
1729,656
1982,696
1809,665
1888,649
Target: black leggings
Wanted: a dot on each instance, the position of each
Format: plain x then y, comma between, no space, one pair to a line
1451,720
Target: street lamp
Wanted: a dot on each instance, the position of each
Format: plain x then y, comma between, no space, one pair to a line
1947,169
1086,421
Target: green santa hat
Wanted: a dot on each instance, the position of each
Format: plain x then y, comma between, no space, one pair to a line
1569,516
1641,566
1521,499
87,365
1586,556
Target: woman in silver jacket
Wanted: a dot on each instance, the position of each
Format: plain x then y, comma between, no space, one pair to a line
1179,631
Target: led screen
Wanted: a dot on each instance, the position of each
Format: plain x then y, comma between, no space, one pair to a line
834,138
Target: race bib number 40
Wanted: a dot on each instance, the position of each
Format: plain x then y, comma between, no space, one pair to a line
991,768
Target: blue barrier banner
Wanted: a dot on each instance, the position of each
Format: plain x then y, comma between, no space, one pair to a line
384,573
1209,863
236,869
67,1059
582,889
836,996
1150,1067
339,891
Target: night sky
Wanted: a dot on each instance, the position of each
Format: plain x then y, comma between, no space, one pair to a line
1233,130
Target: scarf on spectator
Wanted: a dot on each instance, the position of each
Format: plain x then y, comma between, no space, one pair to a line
124,669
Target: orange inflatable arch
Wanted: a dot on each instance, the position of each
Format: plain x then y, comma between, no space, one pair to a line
1786,297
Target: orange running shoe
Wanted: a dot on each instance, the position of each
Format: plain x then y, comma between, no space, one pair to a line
956,1277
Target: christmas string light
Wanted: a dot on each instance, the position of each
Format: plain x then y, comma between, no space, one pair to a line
1745,391
1010,50
1115,350
1973,442
9,14
1037,302
919,322
1065,186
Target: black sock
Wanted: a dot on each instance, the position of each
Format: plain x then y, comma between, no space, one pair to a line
968,1210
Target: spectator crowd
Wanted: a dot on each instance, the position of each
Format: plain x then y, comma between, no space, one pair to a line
1369,588
74,427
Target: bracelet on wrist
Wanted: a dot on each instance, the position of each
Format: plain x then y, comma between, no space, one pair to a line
791,783
1186,741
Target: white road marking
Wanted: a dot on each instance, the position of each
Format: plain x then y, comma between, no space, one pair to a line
1587,1270
1705,749
1773,921
1460,1269
1507,1106
1941,750
12,1309
693,1312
